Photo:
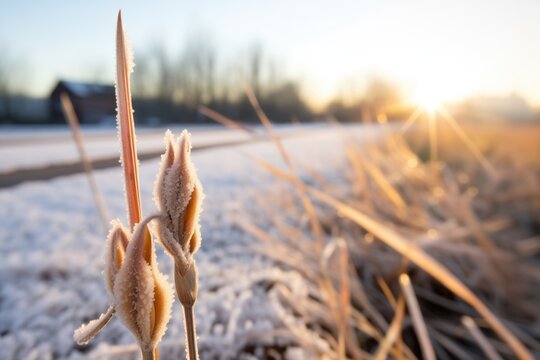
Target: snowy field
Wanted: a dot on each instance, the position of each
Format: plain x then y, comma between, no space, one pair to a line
38,147
52,246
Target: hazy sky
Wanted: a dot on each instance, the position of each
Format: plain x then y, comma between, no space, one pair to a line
446,49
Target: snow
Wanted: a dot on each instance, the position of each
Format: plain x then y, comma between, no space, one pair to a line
18,151
54,248
28,147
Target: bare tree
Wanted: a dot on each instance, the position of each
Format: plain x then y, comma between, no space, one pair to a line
380,94
165,74
197,70
142,83
4,87
13,81
254,63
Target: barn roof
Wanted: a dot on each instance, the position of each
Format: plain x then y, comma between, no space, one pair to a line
82,89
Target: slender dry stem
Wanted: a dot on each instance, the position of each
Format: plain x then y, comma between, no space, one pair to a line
297,182
480,339
73,122
417,318
393,331
223,120
191,337
148,355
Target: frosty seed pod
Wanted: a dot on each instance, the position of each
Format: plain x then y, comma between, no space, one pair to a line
178,195
142,295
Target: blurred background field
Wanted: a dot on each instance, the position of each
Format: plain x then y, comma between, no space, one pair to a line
423,117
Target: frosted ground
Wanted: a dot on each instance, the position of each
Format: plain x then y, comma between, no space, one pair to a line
52,247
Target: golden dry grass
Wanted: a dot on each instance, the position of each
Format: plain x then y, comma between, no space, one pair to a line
453,225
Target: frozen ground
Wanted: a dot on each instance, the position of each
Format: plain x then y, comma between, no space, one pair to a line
22,147
52,256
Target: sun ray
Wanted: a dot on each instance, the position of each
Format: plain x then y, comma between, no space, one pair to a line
411,120
467,141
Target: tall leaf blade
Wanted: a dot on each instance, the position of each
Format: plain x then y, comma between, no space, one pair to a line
126,127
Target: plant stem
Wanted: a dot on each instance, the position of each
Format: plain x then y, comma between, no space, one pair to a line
191,335
147,354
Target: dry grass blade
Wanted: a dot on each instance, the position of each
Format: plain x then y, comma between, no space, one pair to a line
344,293
417,319
386,291
481,340
393,331
418,256
73,121
308,205
126,127
529,247
389,191
223,120
451,346
340,299
433,147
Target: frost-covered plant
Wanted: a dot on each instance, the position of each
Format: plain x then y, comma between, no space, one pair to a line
178,195
139,293
143,296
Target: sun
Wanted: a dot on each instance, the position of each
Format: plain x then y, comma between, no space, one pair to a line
429,101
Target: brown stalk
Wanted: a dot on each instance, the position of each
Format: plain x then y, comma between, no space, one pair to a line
387,188
189,319
126,131
339,299
223,120
393,331
417,318
450,345
418,256
126,126
73,122
480,339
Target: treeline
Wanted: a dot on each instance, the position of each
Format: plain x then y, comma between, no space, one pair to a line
170,88
173,87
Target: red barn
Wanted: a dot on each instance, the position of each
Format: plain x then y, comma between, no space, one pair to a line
93,103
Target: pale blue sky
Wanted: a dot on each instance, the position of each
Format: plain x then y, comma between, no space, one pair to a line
451,49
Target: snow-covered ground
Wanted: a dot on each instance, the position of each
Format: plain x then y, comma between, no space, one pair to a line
24,149
38,147
52,246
